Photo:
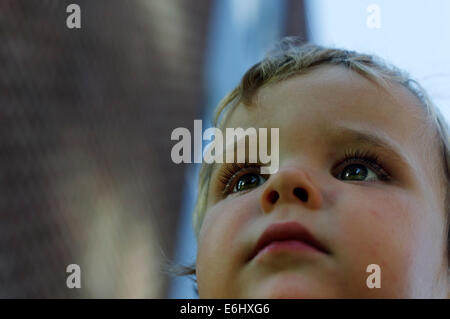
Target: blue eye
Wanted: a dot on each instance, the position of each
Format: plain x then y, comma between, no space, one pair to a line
248,181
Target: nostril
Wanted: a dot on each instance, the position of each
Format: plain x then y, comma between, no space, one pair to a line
273,197
301,194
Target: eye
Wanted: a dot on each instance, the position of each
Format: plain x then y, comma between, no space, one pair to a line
239,177
361,166
248,181
357,172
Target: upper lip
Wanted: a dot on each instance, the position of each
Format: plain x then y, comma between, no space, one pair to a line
287,231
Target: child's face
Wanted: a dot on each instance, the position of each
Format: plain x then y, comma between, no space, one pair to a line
391,215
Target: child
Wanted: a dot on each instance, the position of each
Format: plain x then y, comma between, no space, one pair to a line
362,187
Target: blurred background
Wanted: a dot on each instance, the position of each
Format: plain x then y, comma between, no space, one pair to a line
86,117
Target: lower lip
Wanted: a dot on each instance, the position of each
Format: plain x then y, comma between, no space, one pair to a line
288,246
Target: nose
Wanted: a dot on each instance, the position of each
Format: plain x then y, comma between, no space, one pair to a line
290,186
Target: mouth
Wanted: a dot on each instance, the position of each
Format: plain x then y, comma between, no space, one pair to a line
288,236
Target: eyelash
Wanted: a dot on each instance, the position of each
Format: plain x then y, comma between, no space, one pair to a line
231,172
365,157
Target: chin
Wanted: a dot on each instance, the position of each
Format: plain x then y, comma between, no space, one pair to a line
287,293
294,289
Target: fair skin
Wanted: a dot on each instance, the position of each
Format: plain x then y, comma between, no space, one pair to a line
398,224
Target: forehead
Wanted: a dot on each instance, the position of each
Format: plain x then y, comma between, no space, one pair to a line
331,94
311,104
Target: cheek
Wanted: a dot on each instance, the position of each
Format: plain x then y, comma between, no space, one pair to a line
375,236
379,221
221,245
390,229
225,221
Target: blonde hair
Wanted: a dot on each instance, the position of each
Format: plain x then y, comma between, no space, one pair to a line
290,58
